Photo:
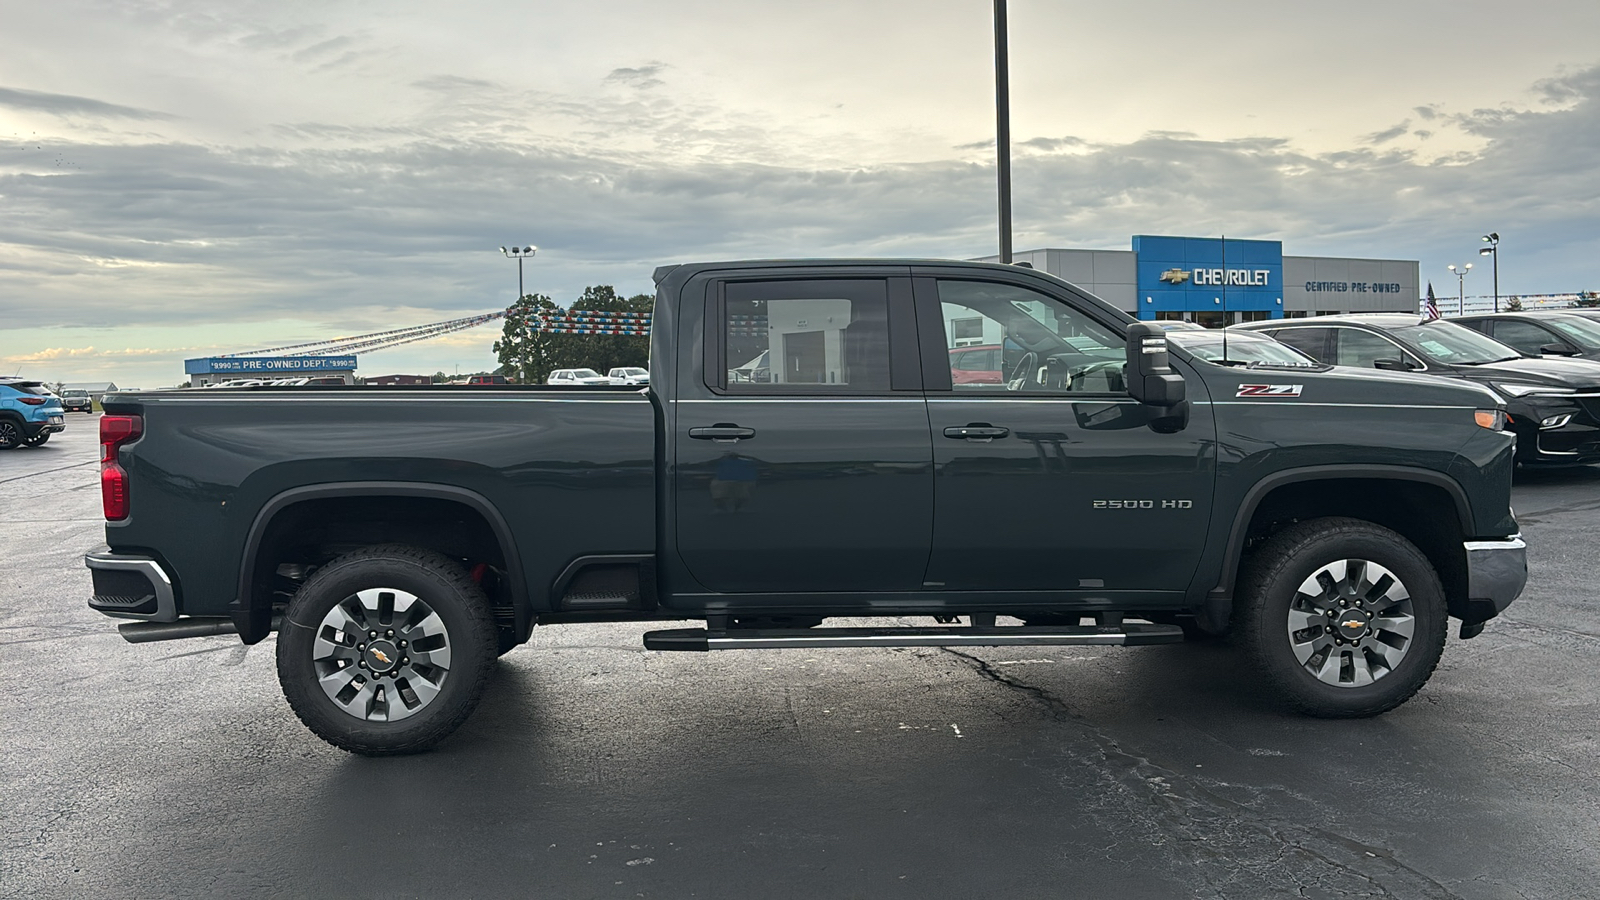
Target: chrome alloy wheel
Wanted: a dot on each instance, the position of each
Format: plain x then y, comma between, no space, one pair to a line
1351,623
381,654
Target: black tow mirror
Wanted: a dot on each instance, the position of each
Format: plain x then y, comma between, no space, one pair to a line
1558,350
1150,376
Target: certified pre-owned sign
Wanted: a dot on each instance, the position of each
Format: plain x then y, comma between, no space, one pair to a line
1268,390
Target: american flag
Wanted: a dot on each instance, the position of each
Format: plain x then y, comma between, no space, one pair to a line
1430,306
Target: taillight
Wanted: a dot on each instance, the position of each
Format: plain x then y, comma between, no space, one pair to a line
114,432
32,401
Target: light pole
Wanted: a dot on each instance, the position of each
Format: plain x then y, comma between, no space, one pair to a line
1461,288
519,254
1002,127
1493,250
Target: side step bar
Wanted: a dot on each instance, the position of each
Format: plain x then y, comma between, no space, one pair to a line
198,626
699,639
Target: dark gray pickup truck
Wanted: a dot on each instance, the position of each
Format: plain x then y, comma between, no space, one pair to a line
984,446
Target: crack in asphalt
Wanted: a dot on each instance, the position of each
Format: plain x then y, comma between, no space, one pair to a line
1224,839
92,462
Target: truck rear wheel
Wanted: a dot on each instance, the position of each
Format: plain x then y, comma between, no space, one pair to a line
1345,617
386,650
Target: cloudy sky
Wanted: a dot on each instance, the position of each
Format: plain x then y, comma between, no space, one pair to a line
182,178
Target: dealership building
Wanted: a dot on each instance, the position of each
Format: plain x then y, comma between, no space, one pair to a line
217,369
1218,282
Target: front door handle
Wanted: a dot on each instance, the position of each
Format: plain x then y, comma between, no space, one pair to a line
977,431
722,432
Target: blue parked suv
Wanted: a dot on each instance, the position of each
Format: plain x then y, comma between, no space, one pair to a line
29,413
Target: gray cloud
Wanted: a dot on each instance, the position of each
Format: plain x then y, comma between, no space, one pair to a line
65,105
1388,134
176,233
640,76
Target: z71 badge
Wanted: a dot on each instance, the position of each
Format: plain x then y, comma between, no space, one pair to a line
1268,390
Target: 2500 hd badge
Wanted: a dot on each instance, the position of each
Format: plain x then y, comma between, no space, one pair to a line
1143,504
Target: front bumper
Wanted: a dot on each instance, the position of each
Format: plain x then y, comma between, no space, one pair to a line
130,587
1497,571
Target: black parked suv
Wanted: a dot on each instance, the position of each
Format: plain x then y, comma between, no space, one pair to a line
77,400
1555,332
1553,404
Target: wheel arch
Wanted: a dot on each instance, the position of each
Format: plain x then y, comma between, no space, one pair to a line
252,608
1366,492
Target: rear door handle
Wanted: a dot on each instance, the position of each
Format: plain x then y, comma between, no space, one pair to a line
721,431
977,431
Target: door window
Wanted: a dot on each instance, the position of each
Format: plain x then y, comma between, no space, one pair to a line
1524,336
1002,338
1363,348
784,336
1313,342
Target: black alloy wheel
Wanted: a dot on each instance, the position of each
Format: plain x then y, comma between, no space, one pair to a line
386,650
1346,618
10,434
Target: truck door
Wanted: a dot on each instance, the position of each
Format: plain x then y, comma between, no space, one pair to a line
1050,477
803,461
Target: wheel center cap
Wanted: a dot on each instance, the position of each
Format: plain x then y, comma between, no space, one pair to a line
381,656
1352,624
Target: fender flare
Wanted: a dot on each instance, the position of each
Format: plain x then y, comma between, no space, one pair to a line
255,624
1233,555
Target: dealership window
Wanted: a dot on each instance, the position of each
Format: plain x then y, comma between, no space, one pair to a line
819,335
1254,315
966,332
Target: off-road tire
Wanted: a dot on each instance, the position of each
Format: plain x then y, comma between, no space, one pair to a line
436,580
1269,580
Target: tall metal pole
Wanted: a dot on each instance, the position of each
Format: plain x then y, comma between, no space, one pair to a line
520,292
1002,129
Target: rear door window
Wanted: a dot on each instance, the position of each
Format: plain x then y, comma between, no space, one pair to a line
1313,342
826,336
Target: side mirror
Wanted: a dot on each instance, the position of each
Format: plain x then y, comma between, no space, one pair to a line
1150,376
1390,364
1558,350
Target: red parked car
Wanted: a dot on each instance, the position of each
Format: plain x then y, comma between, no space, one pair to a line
978,364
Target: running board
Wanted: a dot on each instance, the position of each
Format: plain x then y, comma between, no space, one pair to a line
699,639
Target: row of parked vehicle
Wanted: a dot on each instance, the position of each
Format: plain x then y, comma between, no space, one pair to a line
1545,364
620,375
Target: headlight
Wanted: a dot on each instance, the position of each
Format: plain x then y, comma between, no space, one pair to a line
1523,389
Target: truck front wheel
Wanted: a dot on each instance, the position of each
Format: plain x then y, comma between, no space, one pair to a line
1345,617
386,650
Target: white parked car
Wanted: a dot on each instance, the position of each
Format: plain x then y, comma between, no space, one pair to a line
629,375
576,376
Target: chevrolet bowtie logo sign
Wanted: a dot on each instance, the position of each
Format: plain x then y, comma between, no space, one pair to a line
1175,276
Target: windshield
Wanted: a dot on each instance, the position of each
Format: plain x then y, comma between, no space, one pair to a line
1582,331
1454,345
74,393
1241,348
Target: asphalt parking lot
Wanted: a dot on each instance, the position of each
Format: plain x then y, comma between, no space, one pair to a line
595,768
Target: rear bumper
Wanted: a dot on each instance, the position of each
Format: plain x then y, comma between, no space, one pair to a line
1497,571
130,587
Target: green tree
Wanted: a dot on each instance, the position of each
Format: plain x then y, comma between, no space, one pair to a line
531,355
1514,304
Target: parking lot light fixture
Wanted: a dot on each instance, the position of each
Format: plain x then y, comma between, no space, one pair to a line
519,254
1461,290
1493,252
